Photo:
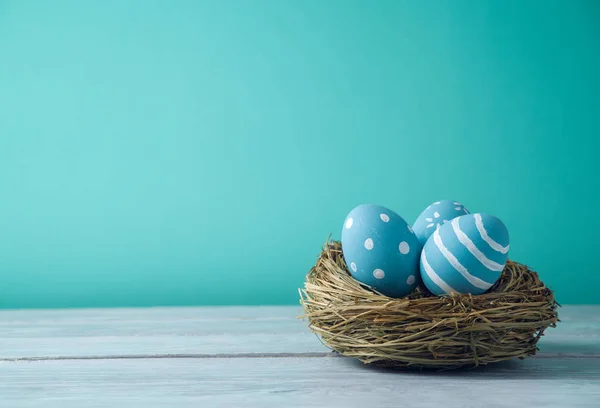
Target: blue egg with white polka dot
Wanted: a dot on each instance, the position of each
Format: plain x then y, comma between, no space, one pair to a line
436,215
381,250
466,255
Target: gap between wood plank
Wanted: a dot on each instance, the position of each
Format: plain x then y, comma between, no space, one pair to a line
245,355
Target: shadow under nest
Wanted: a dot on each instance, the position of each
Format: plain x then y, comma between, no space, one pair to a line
422,330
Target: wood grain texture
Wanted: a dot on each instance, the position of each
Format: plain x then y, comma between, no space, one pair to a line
262,357
294,382
154,331
223,330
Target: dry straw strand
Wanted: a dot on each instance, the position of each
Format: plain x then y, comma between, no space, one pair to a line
423,330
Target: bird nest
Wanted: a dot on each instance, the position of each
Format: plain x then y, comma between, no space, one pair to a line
421,329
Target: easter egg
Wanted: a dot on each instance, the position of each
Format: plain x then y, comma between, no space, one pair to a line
435,216
465,255
381,250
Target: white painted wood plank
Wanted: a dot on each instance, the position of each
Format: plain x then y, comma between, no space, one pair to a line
200,330
578,332
222,330
293,382
154,313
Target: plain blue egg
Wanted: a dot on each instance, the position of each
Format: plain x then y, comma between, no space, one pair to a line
465,255
435,216
381,250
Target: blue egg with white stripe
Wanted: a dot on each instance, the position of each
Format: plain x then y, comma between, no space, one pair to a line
465,255
436,215
381,250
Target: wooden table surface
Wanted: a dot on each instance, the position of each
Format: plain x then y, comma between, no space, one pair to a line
262,357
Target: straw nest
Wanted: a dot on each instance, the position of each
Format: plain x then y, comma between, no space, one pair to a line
423,330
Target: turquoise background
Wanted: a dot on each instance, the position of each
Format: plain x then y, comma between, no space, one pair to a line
200,152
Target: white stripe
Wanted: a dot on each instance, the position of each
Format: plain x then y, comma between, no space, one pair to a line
462,237
435,278
473,280
495,246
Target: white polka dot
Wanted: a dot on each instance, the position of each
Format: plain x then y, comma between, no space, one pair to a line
457,203
409,228
378,274
353,266
349,222
404,248
410,280
384,217
437,202
428,219
369,244
436,214
458,208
